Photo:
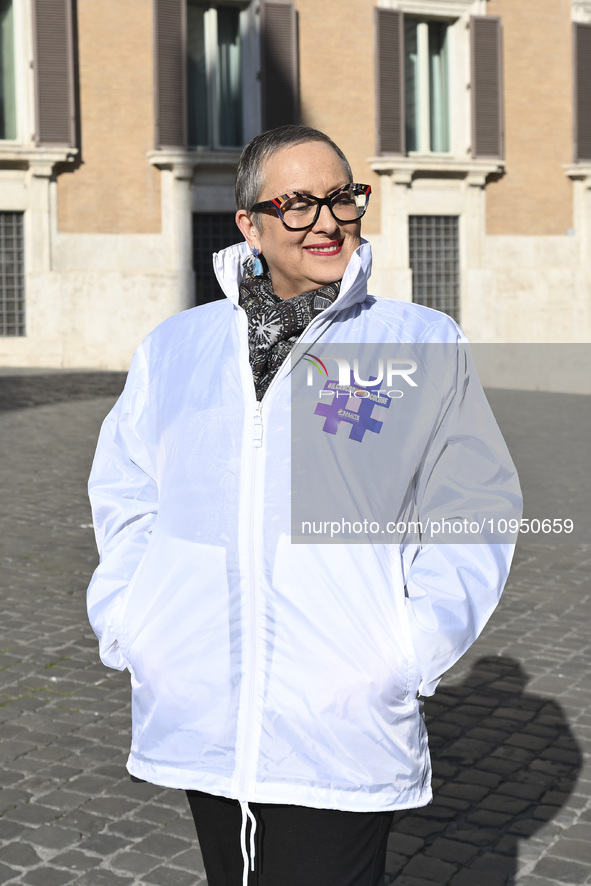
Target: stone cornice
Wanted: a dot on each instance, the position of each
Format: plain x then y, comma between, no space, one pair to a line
580,171
445,8
41,161
404,169
184,163
581,10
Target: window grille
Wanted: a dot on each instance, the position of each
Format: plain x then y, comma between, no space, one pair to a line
12,274
434,261
212,231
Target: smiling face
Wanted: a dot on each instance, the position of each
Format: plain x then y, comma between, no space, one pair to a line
300,261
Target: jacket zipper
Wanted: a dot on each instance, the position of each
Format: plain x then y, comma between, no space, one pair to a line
245,759
258,426
248,759
245,764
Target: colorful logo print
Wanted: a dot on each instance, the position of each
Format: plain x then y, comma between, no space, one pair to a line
353,406
315,363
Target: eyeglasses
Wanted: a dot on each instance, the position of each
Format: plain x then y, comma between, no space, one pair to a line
299,211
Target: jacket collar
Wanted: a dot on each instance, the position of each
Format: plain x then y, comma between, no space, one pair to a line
228,270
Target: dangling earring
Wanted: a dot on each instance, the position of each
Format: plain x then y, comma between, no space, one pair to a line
257,265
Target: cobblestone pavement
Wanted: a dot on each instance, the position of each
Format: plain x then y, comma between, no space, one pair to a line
509,726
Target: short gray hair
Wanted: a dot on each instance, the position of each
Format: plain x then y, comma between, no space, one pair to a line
250,173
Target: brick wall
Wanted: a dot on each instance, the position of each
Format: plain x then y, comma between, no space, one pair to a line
337,83
535,196
115,190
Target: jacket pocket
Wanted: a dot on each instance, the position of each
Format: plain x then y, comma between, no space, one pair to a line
347,611
183,654
176,579
414,675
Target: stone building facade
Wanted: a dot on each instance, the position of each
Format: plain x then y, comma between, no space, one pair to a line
121,125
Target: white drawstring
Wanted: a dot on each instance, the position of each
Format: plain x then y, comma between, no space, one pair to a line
247,814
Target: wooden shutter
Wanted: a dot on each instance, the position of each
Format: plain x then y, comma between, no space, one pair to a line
279,62
487,87
582,85
390,81
170,73
55,122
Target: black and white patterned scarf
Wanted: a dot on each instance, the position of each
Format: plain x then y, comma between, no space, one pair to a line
274,324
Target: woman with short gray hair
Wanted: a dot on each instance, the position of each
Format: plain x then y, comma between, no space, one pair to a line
277,680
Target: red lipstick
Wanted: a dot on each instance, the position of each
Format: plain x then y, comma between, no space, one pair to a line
327,248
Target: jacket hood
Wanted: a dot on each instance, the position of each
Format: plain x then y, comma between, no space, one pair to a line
228,269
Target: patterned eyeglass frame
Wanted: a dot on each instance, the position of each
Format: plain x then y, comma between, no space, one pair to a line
277,203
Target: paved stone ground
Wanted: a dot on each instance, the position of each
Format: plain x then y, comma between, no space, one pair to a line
509,726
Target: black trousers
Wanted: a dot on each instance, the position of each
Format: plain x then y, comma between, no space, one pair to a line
295,845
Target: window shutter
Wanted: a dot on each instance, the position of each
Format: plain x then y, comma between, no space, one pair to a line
170,74
487,87
279,62
54,73
582,80
390,81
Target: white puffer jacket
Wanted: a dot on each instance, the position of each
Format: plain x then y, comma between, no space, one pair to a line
261,669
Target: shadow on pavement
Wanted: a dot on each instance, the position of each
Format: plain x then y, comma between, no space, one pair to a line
504,764
20,391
